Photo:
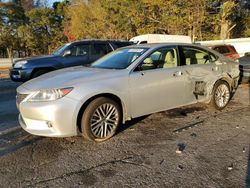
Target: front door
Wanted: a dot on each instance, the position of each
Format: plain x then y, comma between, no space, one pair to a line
79,55
158,83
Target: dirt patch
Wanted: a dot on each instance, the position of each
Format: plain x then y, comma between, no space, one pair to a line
183,112
4,73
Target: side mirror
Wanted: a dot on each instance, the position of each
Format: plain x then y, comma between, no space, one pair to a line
67,53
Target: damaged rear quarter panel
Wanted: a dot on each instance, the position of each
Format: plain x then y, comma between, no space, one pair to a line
203,77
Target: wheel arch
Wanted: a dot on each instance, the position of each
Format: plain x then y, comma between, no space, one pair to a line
211,87
227,80
216,84
41,68
107,95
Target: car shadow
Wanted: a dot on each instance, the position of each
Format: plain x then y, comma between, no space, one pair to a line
130,123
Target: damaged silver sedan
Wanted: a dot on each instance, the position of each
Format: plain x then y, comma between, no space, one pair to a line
125,84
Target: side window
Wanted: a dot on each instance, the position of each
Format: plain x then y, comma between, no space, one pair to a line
101,49
196,56
161,58
80,50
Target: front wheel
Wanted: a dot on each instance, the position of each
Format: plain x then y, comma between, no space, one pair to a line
221,95
100,119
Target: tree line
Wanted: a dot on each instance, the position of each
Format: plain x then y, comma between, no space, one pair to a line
40,30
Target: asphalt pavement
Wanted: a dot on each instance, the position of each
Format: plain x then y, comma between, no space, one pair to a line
8,110
193,146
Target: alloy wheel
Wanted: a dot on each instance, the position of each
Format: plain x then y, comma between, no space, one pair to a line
104,120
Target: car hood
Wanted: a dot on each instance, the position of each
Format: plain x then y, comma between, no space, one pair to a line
69,77
35,58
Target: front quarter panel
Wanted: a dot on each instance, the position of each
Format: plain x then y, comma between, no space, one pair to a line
117,86
42,63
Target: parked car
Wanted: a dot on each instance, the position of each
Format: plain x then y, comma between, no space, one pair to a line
71,54
245,68
160,38
130,82
227,50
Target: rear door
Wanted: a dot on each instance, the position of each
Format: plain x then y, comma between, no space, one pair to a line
202,67
99,49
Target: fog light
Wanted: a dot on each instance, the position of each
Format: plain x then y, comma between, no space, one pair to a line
49,124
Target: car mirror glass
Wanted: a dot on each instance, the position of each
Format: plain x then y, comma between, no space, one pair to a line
67,53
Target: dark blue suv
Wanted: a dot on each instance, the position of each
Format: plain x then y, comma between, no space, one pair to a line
71,54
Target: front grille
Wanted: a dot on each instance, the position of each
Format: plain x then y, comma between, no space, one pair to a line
20,97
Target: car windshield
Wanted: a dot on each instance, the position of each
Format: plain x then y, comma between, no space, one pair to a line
119,59
60,50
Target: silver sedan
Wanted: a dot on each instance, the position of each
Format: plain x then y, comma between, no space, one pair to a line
125,84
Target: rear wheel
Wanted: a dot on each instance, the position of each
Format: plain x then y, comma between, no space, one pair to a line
100,119
39,73
221,95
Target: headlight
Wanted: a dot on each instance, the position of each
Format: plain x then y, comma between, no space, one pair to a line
49,95
19,64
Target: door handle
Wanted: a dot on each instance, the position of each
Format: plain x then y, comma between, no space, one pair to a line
178,73
215,68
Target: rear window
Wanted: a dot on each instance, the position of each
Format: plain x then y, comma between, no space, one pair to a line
232,49
222,49
197,56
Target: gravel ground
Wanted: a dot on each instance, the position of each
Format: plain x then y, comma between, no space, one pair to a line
193,146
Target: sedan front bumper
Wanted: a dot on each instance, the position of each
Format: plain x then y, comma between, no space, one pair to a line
53,119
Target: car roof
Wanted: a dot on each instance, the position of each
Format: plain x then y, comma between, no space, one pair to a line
100,40
159,45
156,45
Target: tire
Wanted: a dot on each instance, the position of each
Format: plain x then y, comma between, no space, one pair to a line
244,80
101,119
221,95
39,73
